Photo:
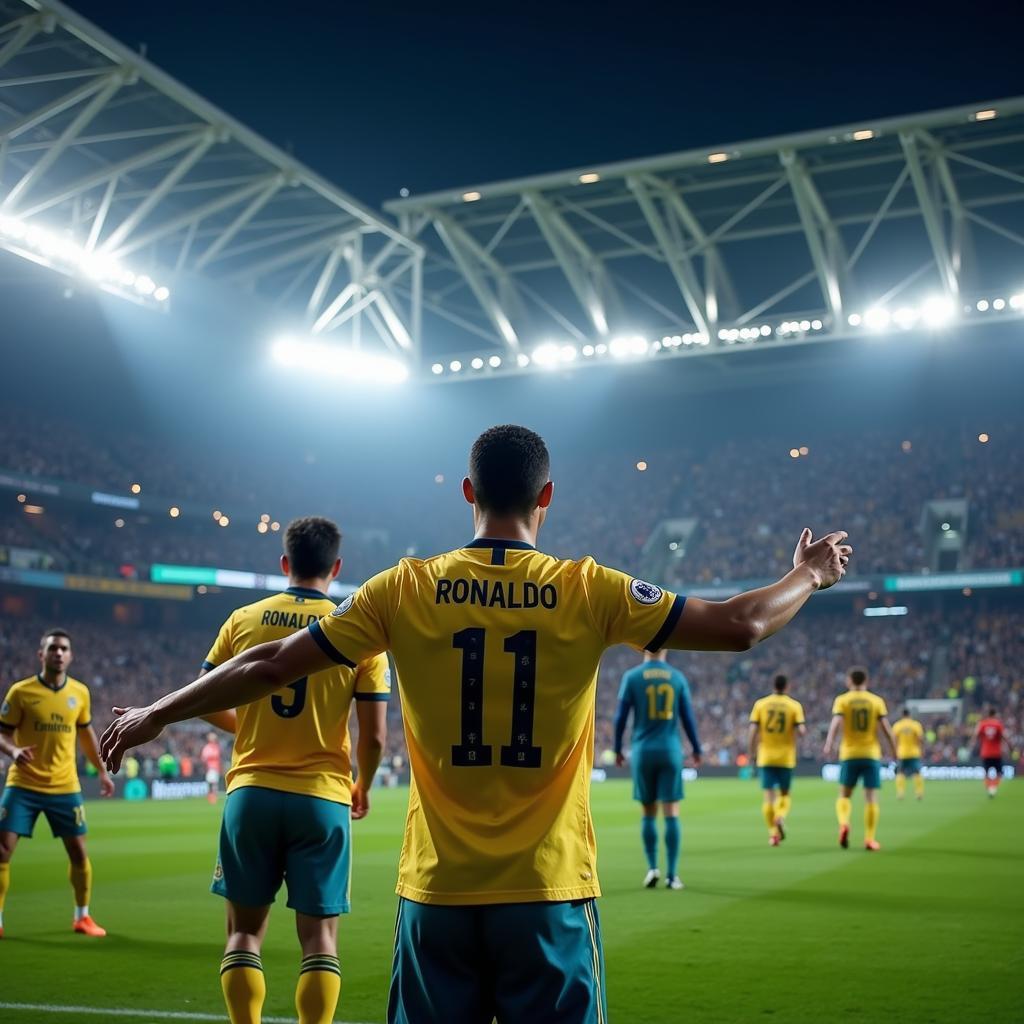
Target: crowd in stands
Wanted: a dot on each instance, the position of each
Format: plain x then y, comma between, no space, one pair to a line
982,654
749,500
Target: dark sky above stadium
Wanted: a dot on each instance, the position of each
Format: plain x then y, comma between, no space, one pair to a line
387,95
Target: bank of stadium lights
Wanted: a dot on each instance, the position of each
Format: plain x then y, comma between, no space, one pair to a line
174,511
323,359
275,526
63,253
983,439
136,488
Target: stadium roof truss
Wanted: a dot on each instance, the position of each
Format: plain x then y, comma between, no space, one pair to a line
786,240
112,170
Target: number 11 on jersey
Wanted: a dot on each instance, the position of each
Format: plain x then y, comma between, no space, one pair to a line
520,751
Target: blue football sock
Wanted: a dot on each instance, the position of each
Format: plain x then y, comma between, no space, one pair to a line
673,835
649,832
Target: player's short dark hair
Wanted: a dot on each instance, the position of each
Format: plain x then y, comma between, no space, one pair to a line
905,712
992,711
55,631
858,676
780,682
508,467
311,544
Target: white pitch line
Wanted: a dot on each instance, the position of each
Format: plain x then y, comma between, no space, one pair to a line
102,1011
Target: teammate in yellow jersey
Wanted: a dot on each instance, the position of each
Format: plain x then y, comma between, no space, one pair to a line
287,814
909,735
861,715
775,723
42,719
497,647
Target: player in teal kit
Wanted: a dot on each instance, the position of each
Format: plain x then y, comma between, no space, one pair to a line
659,698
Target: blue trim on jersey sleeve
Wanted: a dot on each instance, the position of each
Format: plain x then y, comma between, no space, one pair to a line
372,696
208,665
659,638
327,647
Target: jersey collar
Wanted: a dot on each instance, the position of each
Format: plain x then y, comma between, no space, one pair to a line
46,685
305,592
500,545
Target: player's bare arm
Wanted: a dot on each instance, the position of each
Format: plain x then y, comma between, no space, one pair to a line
372,716
227,720
886,730
833,731
19,755
249,676
90,747
746,619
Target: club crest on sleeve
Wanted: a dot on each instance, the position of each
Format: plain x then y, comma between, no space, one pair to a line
644,592
5,709
218,872
344,606
387,678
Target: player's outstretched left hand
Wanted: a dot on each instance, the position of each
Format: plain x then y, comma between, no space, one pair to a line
131,728
360,802
106,785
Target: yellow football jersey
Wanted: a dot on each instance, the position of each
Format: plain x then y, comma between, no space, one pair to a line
909,733
49,720
861,711
297,739
777,717
497,646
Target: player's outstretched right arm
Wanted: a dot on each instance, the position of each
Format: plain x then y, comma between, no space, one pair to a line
746,619
251,675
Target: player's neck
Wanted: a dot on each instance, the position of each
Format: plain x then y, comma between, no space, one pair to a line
498,528
315,583
54,679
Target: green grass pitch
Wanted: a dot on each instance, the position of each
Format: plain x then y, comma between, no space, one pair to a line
929,930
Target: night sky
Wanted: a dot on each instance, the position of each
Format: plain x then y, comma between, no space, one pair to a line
389,95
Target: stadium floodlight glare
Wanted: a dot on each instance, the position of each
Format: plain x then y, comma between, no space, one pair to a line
522,360
862,135
1017,301
437,368
455,366
589,178
477,363
588,350
877,318
470,197
938,310
854,319
549,354
628,345
982,305
66,255
333,361
717,158
601,349
906,317
985,115
494,362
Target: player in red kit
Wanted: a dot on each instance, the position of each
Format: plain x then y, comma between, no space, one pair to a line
211,759
992,737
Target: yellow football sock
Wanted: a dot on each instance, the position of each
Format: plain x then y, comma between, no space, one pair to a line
81,881
5,884
901,784
918,789
843,810
243,985
316,995
768,810
783,805
871,812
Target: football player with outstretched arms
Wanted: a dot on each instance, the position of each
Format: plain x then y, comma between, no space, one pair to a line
497,647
